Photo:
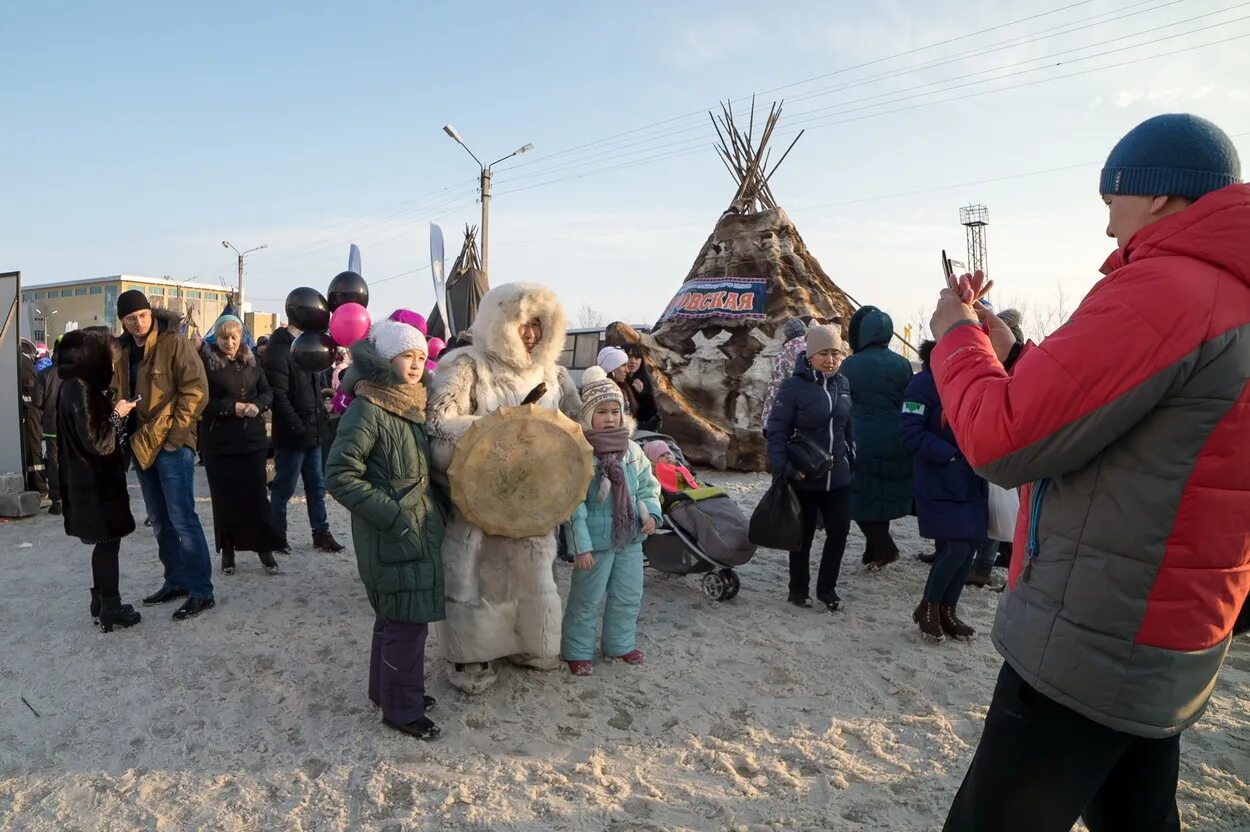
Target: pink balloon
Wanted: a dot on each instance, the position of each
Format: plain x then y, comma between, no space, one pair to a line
437,345
413,319
430,365
349,323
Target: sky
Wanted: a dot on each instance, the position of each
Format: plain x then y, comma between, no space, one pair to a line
139,135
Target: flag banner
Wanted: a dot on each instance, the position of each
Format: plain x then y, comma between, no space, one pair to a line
737,298
353,259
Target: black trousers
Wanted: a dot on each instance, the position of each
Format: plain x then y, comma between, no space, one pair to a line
879,545
52,467
835,508
1040,766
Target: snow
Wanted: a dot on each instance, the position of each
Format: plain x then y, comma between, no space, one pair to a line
749,715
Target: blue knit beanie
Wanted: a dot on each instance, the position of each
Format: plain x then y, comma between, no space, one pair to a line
1171,155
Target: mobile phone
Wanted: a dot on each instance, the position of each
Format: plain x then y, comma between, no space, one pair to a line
947,270
137,399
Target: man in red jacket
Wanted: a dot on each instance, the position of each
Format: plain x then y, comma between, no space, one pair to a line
1127,429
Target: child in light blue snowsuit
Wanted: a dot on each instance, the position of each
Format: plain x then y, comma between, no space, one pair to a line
622,507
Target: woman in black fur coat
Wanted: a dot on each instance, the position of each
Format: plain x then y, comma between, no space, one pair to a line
90,442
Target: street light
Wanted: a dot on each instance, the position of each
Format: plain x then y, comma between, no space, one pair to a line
47,317
242,254
485,187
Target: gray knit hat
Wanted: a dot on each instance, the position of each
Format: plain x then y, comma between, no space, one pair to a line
795,328
822,337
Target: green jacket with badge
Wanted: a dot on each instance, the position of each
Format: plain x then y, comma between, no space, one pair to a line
379,470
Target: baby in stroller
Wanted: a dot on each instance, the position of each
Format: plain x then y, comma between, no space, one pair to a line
704,531
672,477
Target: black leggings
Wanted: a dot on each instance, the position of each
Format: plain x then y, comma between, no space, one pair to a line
104,567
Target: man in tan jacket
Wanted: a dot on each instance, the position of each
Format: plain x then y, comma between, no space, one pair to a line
168,377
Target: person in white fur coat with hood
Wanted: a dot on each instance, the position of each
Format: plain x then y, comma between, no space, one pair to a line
501,592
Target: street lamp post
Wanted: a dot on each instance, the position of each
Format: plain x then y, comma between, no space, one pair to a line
485,187
47,322
241,254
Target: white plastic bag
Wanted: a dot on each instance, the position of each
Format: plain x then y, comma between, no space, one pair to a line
1004,506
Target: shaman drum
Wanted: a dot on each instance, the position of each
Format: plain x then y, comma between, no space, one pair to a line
521,471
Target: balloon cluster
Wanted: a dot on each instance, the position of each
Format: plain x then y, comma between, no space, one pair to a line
339,318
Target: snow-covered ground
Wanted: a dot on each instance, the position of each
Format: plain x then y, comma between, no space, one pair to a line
749,715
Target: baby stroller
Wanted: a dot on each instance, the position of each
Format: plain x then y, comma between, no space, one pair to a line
704,532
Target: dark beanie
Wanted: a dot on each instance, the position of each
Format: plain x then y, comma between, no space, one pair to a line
1171,155
131,301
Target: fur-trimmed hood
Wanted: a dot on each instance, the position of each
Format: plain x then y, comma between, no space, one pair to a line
502,311
215,359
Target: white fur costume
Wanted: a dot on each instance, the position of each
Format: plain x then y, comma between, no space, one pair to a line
501,593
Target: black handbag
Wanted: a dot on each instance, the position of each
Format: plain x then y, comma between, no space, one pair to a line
808,457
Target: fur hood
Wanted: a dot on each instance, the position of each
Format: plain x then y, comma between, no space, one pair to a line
502,311
215,360
166,321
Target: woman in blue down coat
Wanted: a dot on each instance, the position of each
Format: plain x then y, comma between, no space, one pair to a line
816,402
952,504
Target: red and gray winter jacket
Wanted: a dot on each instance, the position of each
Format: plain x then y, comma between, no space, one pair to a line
1131,424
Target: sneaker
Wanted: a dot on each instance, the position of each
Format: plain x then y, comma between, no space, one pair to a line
325,542
581,668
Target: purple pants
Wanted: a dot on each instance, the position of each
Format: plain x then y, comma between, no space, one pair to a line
397,669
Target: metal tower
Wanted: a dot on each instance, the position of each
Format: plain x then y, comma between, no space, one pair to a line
975,218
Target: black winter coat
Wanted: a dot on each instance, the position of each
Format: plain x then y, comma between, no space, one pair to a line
819,407
648,415
94,496
229,382
299,419
48,392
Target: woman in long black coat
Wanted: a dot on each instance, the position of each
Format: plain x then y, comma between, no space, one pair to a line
92,460
643,387
234,447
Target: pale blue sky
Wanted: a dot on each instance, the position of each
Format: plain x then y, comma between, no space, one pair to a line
138,135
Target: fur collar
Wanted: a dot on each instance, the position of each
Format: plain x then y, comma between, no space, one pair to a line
215,360
407,401
502,311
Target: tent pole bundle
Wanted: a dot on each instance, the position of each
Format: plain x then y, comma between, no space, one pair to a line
746,161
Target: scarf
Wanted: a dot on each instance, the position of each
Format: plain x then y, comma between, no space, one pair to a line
407,401
609,447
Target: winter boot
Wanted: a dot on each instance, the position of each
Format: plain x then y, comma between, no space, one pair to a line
951,625
55,508
801,601
928,616
978,577
114,613
325,542
267,561
227,561
95,606
422,729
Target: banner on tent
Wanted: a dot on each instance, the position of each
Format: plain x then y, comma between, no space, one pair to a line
738,298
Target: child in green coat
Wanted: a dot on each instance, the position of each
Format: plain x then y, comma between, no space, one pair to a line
621,509
379,470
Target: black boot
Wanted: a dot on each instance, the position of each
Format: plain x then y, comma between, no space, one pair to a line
95,606
55,508
325,542
267,561
164,595
422,729
227,561
193,607
114,613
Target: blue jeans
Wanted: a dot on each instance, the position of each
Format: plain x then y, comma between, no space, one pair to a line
169,496
983,557
949,571
290,464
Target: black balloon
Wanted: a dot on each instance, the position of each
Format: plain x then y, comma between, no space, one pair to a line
348,287
313,351
306,309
